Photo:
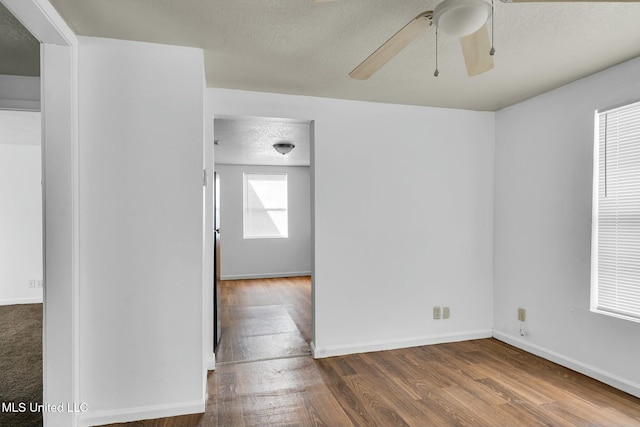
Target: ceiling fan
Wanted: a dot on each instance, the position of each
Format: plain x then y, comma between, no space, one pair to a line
465,19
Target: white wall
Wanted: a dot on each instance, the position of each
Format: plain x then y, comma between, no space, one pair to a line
141,230
20,216
544,155
60,211
20,190
19,92
253,258
403,218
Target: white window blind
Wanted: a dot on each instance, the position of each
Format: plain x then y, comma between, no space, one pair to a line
616,220
265,206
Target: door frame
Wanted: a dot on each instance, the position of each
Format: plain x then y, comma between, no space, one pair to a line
59,107
210,116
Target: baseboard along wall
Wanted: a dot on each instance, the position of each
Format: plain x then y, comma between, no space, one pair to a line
264,275
14,301
366,347
575,365
89,419
161,411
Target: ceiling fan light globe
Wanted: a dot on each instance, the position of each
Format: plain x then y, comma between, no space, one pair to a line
461,17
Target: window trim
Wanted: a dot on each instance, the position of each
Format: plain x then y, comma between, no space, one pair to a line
245,183
594,295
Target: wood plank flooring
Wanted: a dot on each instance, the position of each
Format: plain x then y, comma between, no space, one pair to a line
264,319
472,383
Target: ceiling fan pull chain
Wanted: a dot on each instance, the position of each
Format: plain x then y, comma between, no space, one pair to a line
436,73
493,19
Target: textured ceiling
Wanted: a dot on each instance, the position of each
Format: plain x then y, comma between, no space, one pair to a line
249,141
301,47
19,50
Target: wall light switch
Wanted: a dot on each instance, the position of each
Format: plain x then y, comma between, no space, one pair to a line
445,312
437,312
522,314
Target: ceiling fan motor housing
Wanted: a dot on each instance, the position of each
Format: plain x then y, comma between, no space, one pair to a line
461,17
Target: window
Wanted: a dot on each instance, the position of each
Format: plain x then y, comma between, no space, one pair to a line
615,287
265,206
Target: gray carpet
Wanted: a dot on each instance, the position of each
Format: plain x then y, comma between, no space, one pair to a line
20,363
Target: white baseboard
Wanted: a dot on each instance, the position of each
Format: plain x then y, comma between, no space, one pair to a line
265,275
97,418
365,347
29,300
575,365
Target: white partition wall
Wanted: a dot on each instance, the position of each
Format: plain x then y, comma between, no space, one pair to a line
128,343
402,200
141,228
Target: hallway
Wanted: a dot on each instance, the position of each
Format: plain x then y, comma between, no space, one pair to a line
264,319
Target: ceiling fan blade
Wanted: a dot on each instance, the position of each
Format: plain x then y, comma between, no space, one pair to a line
392,47
475,49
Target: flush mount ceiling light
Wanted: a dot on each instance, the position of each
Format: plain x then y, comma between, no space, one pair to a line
283,147
461,17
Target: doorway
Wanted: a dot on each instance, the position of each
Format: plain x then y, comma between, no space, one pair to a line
264,303
21,268
58,49
21,237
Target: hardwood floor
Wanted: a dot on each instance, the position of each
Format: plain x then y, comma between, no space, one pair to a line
472,383
264,319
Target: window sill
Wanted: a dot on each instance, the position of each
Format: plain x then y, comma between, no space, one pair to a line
263,237
616,315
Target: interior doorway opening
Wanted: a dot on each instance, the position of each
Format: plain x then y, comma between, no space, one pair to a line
21,269
57,47
21,224
263,302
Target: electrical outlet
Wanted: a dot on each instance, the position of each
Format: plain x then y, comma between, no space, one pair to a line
445,312
437,312
35,283
522,314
